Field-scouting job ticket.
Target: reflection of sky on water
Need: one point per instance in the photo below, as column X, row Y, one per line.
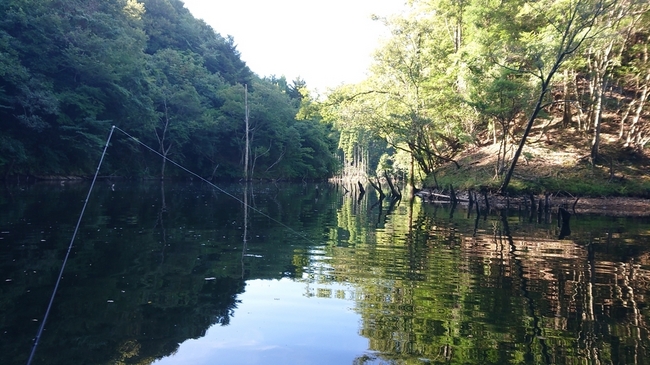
column 280, row 322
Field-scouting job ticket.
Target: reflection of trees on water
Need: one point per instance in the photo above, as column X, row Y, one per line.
column 428, row 287
column 536, row 331
column 134, row 288
column 155, row 265
column 160, row 223
column 424, row 284
column 245, row 234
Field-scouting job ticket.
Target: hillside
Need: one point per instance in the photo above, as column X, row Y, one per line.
column 70, row 70
column 556, row 161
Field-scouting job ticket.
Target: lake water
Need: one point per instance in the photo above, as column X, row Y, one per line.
column 181, row 273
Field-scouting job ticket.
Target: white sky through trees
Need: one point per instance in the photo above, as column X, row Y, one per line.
column 326, row 42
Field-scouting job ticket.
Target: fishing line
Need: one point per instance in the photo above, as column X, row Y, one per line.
column 83, row 209
column 65, row 260
column 216, row 187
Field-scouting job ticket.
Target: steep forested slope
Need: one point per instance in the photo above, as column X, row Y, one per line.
column 69, row 69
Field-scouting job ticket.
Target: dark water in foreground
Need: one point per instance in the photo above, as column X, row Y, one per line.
column 372, row 283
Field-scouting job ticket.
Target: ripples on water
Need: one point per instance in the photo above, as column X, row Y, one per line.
column 373, row 283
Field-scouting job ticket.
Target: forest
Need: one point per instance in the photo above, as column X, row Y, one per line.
column 458, row 77
column 71, row 69
column 453, row 76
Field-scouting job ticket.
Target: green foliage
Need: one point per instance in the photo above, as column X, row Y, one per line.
column 451, row 73
column 502, row 96
column 458, row 74
column 414, row 98
column 70, row 69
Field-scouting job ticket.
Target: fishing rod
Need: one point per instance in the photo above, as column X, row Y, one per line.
column 65, row 260
column 83, row 209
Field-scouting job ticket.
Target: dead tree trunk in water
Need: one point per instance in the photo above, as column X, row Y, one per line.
column 487, row 201
column 393, row 191
column 563, row 221
column 164, row 149
column 378, row 188
column 452, row 194
column 361, row 189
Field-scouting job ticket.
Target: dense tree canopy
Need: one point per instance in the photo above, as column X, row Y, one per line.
column 71, row 69
column 451, row 75
column 459, row 74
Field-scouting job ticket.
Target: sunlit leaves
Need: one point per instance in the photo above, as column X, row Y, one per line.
column 134, row 9
column 413, row 98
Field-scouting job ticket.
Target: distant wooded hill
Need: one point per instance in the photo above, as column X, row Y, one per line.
column 70, row 69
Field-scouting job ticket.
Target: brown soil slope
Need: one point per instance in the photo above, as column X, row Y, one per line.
column 555, row 162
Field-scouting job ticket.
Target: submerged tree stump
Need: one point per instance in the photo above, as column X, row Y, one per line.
column 361, row 189
column 377, row 187
column 563, row 217
column 452, row 194
column 393, row 190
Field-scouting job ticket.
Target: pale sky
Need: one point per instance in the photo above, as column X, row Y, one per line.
column 326, row 42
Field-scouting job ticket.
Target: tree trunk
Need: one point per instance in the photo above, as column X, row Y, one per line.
column 245, row 238
column 600, row 71
column 574, row 32
column 566, row 110
column 633, row 133
column 580, row 109
column 412, row 174
column 393, row 190
column 378, row 188
column 162, row 168
column 164, row 151
column 247, row 147
column 621, row 131
column 522, row 142
column 598, row 111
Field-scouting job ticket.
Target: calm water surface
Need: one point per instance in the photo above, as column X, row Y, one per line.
column 181, row 273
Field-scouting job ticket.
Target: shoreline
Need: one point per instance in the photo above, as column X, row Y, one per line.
column 608, row 206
